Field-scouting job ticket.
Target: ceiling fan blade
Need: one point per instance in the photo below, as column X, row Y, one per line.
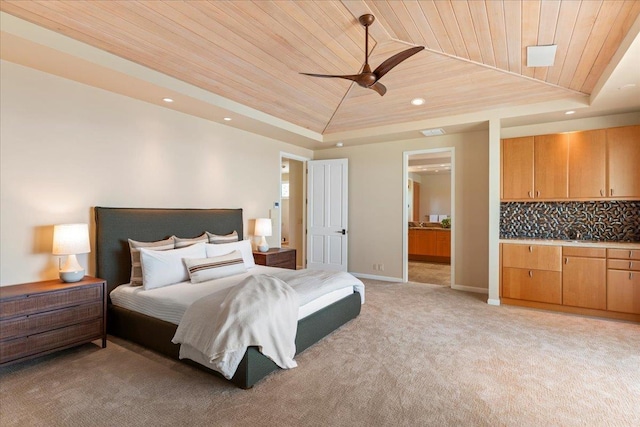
column 387, row 65
column 379, row 87
column 352, row 77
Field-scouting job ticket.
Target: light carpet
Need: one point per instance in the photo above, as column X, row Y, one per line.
column 418, row 355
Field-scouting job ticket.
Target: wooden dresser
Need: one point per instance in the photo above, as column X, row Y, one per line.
column 277, row 257
column 42, row 317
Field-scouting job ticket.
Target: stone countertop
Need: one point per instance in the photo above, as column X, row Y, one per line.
column 430, row 228
column 575, row 243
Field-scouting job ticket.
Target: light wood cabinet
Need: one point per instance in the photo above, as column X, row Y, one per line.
column 532, row 285
column 623, row 281
column 584, row 277
column 550, row 165
column 429, row 245
column 535, row 167
column 623, row 291
column 443, row 243
column 591, row 280
column 588, row 164
column 536, row 257
column 591, row 165
column 532, row 273
column 517, row 168
column 623, row 145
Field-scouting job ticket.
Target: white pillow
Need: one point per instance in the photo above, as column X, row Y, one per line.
column 201, row 269
column 163, row 268
column 244, row 246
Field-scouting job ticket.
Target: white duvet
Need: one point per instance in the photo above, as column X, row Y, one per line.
column 261, row 311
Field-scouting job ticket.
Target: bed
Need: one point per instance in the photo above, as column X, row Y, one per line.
column 113, row 263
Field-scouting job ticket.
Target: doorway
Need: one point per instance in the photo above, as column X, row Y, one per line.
column 429, row 229
column 292, row 209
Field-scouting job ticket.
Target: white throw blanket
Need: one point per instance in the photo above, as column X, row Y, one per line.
column 260, row 311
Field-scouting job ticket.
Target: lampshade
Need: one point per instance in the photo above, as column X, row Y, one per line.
column 263, row 227
column 71, row 239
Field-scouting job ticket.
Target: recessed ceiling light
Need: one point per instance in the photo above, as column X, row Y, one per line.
column 437, row 170
column 443, row 165
column 339, row 144
column 417, row 101
column 169, row 100
column 568, row 113
column 433, row 132
column 227, row 119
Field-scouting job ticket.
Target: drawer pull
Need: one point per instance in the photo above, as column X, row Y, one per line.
column 630, row 265
column 529, row 194
column 630, row 275
column 612, row 192
column 530, row 249
column 566, row 260
column 630, row 254
column 530, row 273
column 537, row 193
column 601, row 193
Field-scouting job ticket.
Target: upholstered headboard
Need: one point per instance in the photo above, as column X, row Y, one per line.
column 115, row 225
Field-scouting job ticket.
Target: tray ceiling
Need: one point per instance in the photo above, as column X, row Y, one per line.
column 251, row 52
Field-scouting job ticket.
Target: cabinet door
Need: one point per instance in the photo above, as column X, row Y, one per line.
column 587, row 164
column 624, row 157
column 443, row 243
column 536, row 257
column 532, row 285
column 517, row 168
column 584, row 282
column 413, row 242
column 551, row 162
column 428, row 242
column 623, row 291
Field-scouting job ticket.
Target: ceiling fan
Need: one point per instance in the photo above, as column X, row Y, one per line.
column 366, row 78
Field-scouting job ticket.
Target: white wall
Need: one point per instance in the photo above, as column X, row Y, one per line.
column 66, row 147
column 435, row 195
column 375, row 204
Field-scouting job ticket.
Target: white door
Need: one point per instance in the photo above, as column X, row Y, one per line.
column 327, row 214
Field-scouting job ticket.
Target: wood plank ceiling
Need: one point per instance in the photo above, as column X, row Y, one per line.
column 252, row 51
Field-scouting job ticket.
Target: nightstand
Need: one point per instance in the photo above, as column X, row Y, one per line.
column 42, row 317
column 277, row 257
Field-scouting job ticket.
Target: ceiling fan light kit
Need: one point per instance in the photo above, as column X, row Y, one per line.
column 368, row 79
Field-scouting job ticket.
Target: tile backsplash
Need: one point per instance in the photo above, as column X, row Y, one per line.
column 596, row 220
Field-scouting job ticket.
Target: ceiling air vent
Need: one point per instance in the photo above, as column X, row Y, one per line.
column 541, row 56
column 432, row 132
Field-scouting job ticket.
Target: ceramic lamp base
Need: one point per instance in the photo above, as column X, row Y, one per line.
column 263, row 246
column 71, row 276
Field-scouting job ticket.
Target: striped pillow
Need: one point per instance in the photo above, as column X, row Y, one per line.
column 202, row 269
column 183, row 243
column 134, row 247
column 227, row 238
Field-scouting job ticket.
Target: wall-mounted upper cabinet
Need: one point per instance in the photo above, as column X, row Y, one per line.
column 624, row 162
column 535, row 168
column 589, row 165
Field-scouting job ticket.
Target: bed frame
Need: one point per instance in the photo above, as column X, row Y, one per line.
column 113, row 263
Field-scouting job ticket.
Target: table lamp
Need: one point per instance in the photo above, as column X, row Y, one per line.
column 263, row 228
column 71, row 239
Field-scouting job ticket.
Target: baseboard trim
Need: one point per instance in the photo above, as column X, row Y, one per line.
column 375, row 277
column 470, row 289
column 492, row 301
